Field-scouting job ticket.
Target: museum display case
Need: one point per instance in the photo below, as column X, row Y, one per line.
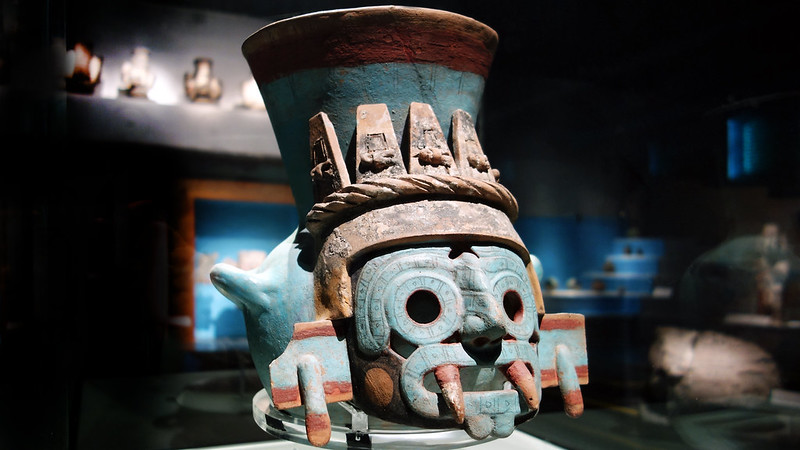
column 651, row 150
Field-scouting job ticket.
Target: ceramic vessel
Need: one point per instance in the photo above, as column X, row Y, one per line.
column 201, row 85
column 405, row 290
column 136, row 79
column 82, row 69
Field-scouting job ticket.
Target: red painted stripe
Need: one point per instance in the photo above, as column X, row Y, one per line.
column 286, row 397
column 573, row 397
column 562, row 322
column 307, row 330
column 317, row 421
column 378, row 35
column 550, row 377
column 318, row 429
column 573, row 403
column 336, row 391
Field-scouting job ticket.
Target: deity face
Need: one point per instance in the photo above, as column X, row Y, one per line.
column 446, row 334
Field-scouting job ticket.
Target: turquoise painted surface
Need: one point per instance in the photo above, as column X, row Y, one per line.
column 469, row 290
column 279, row 294
column 294, row 99
column 272, row 298
column 574, row 340
column 328, row 353
column 426, row 358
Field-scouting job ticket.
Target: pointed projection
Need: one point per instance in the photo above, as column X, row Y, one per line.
column 329, row 173
column 427, row 147
column 468, row 152
column 377, row 152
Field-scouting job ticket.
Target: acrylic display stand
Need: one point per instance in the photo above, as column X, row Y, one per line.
column 351, row 428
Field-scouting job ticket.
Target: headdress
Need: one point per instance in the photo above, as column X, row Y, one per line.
column 375, row 126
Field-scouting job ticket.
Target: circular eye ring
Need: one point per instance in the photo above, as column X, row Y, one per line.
column 514, row 291
column 423, row 287
column 513, row 306
column 423, row 307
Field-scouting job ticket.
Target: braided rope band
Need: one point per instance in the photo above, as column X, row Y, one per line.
column 355, row 199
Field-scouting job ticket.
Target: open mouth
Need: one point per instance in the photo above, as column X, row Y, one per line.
column 442, row 379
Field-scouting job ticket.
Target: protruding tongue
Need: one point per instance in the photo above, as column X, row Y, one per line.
column 481, row 426
column 449, row 381
column 518, row 374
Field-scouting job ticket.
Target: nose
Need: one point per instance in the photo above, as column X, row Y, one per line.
column 483, row 315
column 484, row 325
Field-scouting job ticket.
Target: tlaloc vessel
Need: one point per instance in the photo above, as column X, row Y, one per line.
column 405, row 296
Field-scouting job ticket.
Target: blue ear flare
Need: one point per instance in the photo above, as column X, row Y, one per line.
column 562, row 355
column 313, row 371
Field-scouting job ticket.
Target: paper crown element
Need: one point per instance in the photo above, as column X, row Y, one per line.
column 384, row 174
column 385, row 195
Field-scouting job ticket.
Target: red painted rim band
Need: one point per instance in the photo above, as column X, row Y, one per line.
column 361, row 36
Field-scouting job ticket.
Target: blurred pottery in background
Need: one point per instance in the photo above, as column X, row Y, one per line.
column 136, row 77
column 201, row 85
column 82, row 69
